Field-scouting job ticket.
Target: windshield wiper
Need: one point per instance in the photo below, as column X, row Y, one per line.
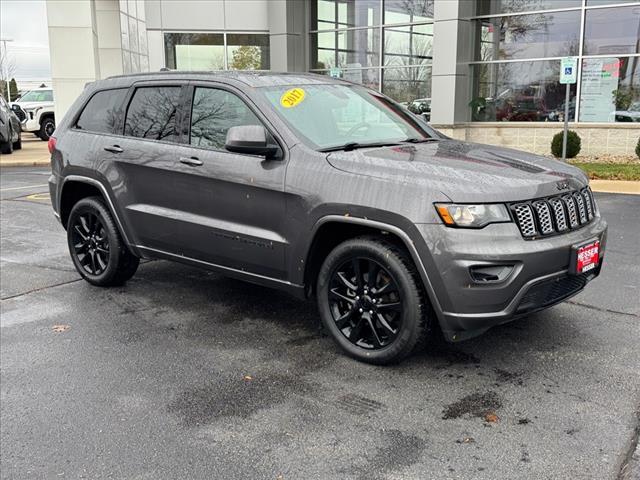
column 347, row 147
column 420, row 140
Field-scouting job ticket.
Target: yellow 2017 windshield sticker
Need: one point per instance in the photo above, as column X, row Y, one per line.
column 292, row 98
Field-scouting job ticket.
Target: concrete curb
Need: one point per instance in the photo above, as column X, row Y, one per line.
column 24, row 163
column 616, row 186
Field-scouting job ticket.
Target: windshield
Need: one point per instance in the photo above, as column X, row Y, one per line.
column 37, row 96
column 328, row 116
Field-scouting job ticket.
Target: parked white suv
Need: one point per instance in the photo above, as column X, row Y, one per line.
column 35, row 109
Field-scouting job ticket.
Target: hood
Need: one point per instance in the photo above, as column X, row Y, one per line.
column 32, row 105
column 465, row 172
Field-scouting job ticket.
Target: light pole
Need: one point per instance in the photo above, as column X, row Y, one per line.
column 4, row 58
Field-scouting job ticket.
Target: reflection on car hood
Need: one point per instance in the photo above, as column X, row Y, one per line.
column 465, row 172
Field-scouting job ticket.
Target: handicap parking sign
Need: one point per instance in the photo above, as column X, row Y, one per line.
column 568, row 70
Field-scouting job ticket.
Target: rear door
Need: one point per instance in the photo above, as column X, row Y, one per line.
column 141, row 165
column 229, row 208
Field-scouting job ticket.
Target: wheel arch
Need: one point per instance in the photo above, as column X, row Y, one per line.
column 75, row 188
column 45, row 115
column 332, row 230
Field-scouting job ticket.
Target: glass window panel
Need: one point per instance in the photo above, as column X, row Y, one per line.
column 405, row 85
column 612, row 30
column 144, row 63
column 610, row 89
column 333, row 14
column 135, row 62
column 141, row 10
column 520, row 92
column 347, row 48
column 529, row 36
column 194, row 51
column 592, row 3
column 132, row 8
column 489, row 7
column 248, row 52
column 369, row 77
column 126, row 61
column 152, row 113
column 410, row 45
column 124, row 31
column 123, row 6
column 213, row 113
column 133, row 34
column 408, row 11
column 142, row 39
column 104, row 111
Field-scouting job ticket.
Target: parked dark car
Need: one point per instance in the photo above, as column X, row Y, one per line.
column 9, row 129
column 321, row 188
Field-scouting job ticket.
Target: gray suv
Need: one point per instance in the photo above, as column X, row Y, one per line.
column 322, row 188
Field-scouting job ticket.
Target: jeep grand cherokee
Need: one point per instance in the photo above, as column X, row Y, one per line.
column 320, row 187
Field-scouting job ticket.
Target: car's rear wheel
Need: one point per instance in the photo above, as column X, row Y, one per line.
column 371, row 300
column 95, row 245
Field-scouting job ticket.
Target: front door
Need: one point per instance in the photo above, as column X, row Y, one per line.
column 228, row 208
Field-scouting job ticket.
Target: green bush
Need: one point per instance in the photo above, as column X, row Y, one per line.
column 573, row 144
column 638, row 148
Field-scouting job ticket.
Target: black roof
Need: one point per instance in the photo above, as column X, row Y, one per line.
column 252, row 78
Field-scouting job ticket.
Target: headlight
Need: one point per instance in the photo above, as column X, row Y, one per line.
column 472, row 216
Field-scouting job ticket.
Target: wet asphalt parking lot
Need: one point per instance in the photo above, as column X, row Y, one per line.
column 183, row 373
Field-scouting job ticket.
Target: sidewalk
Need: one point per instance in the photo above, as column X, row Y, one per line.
column 34, row 152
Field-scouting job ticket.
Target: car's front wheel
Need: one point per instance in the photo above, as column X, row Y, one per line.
column 96, row 247
column 371, row 300
column 47, row 128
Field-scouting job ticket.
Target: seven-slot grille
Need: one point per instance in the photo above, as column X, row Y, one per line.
column 552, row 215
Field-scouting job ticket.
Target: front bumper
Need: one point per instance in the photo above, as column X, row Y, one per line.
column 29, row 124
column 537, row 275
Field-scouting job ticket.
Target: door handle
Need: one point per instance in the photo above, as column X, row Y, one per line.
column 114, row 149
column 191, row 161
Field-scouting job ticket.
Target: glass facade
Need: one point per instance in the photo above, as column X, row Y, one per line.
column 519, row 45
column 383, row 44
column 217, row 51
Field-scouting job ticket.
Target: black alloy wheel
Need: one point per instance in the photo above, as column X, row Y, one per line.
column 96, row 246
column 90, row 243
column 372, row 301
column 365, row 303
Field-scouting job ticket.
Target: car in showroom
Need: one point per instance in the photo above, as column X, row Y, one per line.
column 321, row 188
column 36, row 111
column 9, row 129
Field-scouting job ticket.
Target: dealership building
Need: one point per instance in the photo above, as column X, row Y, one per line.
column 485, row 71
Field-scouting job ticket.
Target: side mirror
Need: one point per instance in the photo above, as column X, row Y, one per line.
column 250, row 140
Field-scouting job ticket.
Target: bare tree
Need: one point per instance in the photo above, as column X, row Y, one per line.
column 7, row 71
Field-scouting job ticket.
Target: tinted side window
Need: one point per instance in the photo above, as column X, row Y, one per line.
column 103, row 113
column 213, row 113
column 152, row 113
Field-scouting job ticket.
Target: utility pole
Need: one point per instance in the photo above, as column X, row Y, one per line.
column 4, row 57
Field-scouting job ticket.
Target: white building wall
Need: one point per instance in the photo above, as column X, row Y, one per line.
column 73, row 47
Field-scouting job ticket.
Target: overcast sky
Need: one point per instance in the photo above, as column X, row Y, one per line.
column 25, row 22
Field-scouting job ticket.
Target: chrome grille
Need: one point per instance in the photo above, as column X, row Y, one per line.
column 544, row 217
column 571, row 210
column 552, row 215
column 524, row 214
column 558, row 212
column 581, row 208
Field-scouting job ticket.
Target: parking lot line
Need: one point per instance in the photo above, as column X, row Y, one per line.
column 22, row 188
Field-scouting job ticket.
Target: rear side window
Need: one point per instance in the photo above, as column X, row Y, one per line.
column 103, row 113
column 152, row 114
column 213, row 113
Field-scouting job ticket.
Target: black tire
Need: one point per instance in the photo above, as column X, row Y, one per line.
column 6, row 148
column 17, row 145
column 47, row 128
column 96, row 246
column 403, row 330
